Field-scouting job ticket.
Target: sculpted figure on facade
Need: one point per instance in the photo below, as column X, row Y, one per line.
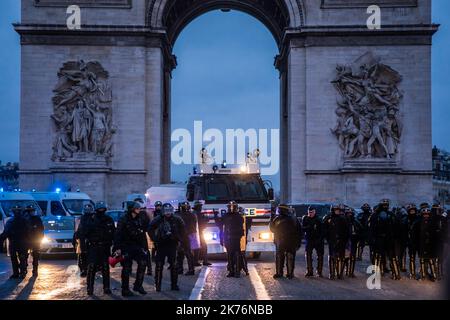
column 368, row 112
column 82, row 112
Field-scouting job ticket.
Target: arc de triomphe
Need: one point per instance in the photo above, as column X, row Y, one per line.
column 355, row 109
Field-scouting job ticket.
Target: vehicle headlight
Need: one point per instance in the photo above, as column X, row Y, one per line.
column 265, row 235
column 46, row 240
column 209, row 236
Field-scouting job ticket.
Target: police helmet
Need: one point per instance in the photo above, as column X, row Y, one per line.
column 185, row 206
column 424, row 205
column 385, row 202
column 101, row 206
column 284, row 209
column 335, row 207
column 198, row 204
column 232, row 206
column 167, row 209
column 365, row 206
column 425, row 211
column 88, row 209
column 16, row 210
column 158, row 204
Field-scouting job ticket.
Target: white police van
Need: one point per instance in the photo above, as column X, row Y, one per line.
column 61, row 203
column 8, row 200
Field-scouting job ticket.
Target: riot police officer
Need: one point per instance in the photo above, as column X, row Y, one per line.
column 145, row 218
column 17, row 231
column 363, row 218
column 158, row 209
column 312, row 228
column 36, row 235
column 287, row 237
column 413, row 239
column 88, row 212
column 428, row 238
column 191, row 233
column 442, row 237
column 233, row 230
column 203, row 220
column 131, row 243
column 354, row 239
column 381, row 229
column 246, row 228
column 166, row 231
column 337, row 235
column 401, row 237
column 98, row 234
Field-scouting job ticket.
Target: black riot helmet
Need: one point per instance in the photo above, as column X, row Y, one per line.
column 334, row 208
column 365, row 207
column 198, row 205
column 101, row 207
column 31, row 210
column 16, row 210
column 185, row 206
column 411, row 209
column 284, row 210
column 88, row 209
column 232, row 207
column 385, row 204
column 167, row 210
column 158, row 205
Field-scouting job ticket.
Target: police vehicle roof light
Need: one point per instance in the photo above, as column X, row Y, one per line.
column 58, row 190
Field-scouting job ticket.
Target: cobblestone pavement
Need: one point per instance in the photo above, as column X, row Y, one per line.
column 59, row 280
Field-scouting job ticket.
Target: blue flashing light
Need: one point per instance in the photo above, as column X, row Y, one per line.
column 1, row 189
column 58, row 190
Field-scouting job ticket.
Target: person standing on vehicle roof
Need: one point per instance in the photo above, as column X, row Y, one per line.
column 312, row 228
column 98, row 234
column 166, row 232
column 190, row 239
column 233, row 230
column 17, row 231
column 79, row 243
column 203, row 220
column 287, row 232
column 131, row 243
column 36, row 236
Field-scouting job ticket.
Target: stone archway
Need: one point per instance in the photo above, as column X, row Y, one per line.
column 123, row 53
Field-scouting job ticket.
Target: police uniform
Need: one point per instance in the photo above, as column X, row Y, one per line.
column 166, row 232
column 363, row 218
column 79, row 243
column 427, row 246
column 191, row 232
column 312, row 228
column 413, row 238
column 36, row 236
column 233, row 230
column 287, row 238
column 98, row 234
column 337, row 235
column 131, row 240
column 203, row 220
column 355, row 228
column 17, row 230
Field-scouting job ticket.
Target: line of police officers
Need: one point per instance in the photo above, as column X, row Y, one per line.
column 392, row 236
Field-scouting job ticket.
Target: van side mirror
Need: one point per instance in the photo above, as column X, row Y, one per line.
column 271, row 194
column 190, row 192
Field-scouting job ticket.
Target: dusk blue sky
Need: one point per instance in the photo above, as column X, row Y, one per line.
column 225, row 67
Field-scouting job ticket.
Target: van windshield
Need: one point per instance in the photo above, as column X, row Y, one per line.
column 8, row 204
column 59, row 224
column 75, row 206
column 243, row 188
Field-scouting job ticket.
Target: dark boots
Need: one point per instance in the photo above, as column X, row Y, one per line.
column 423, row 269
column 351, row 267
column 395, row 269
column 90, row 279
column 174, row 279
column 149, row 264
column 340, row 268
column 279, row 265
column 412, row 267
column 237, row 265
column 126, row 292
column 106, row 278
column 244, row 263
column 309, row 265
column 290, row 265
column 319, row 266
column 190, row 261
column 332, row 267
column 230, row 265
column 158, row 276
column 140, row 274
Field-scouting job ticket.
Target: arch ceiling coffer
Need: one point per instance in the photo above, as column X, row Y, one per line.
column 174, row 15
